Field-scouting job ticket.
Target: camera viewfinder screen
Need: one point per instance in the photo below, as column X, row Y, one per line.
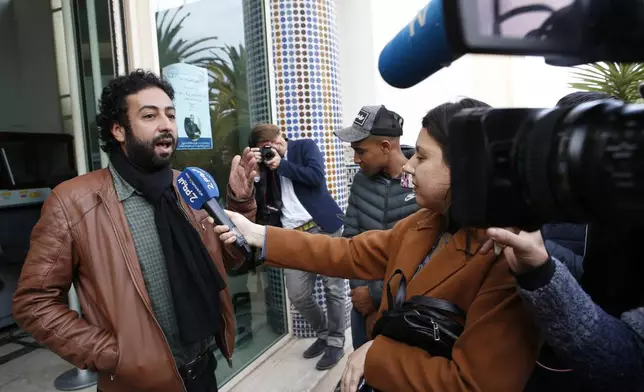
column 515, row 18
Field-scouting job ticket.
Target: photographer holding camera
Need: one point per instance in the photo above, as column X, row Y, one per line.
column 605, row 353
column 291, row 192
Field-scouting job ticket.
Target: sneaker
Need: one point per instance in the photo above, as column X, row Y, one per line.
column 331, row 357
column 316, row 349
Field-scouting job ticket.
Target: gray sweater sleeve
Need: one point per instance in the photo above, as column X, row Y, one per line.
column 608, row 353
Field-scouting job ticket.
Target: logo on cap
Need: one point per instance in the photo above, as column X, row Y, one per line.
column 361, row 118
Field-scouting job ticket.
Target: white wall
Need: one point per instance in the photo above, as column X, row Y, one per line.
column 368, row 25
column 358, row 70
column 29, row 98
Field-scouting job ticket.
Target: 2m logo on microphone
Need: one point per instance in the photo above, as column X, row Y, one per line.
column 189, row 189
column 204, row 177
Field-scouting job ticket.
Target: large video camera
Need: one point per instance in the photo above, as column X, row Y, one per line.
column 527, row 167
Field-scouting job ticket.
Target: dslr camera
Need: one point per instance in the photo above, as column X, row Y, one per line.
column 267, row 153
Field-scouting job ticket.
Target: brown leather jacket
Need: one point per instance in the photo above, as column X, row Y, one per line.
column 83, row 237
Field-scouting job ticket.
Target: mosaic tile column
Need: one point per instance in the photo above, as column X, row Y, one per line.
column 257, row 71
column 305, row 49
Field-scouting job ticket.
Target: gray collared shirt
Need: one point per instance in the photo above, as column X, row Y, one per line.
column 140, row 217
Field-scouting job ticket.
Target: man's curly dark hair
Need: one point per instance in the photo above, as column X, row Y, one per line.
column 112, row 107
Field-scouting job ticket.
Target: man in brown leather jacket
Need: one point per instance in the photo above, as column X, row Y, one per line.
column 149, row 270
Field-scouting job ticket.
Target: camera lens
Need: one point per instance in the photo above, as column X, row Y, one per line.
column 583, row 164
column 602, row 153
column 527, row 167
column 267, row 153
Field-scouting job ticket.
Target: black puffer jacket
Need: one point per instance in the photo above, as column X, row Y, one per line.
column 376, row 203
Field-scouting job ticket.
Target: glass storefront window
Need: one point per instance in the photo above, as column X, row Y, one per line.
column 97, row 65
column 202, row 52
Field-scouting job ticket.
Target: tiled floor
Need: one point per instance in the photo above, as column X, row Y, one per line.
column 33, row 372
column 287, row 371
column 284, row 371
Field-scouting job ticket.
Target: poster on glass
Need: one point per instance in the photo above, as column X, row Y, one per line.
column 191, row 99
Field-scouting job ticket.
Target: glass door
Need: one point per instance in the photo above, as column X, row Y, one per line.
column 208, row 51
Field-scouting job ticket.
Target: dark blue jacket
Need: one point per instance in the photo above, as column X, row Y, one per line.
column 305, row 168
column 567, row 243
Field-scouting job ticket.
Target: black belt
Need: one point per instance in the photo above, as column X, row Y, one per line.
column 205, row 362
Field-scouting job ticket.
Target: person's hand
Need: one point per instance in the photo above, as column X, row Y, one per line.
column 253, row 233
column 275, row 162
column 370, row 324
column 524, row 251
column 243, row 170
column 256, row 153
column 536, row 237
column 354, row 369
column 362, row 301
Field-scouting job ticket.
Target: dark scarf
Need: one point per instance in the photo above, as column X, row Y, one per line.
column 194, row 279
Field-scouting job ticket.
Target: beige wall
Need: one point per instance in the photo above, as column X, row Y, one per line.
column 140, row 33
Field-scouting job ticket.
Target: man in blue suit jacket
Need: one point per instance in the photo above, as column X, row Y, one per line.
column 292, row 186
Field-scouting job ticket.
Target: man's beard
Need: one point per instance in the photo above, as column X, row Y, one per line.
column 143, row 154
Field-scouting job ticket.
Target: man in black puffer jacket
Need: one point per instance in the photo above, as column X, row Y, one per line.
column 376, row 200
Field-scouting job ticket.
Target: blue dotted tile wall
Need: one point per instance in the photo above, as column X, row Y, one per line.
column 257, row 71
column 305, row 50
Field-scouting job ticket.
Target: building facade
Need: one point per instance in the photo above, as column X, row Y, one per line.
column 233, row 64
column 305, row 65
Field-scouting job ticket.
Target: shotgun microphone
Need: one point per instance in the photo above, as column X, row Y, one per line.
column 199, row 190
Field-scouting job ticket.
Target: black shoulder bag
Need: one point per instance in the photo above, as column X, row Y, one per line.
column 431, row 324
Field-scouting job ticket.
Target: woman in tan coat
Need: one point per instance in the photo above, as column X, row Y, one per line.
column 498, row 348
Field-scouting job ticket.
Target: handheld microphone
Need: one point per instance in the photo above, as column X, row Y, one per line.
column 199, row 190
column 420, row 49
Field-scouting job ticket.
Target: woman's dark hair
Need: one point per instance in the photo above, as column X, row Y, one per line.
column 437, row 119
column 112, row 107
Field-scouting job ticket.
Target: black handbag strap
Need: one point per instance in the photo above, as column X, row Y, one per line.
column 402, row 289
column 437, row 303
column 400, row 294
